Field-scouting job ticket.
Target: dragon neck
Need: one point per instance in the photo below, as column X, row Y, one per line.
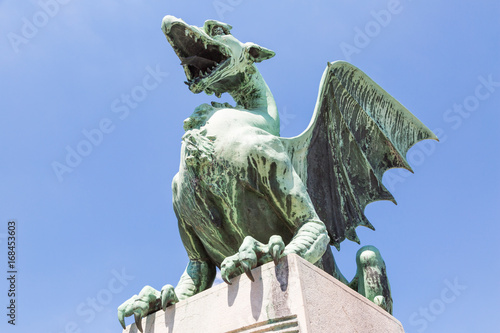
column 255, row 95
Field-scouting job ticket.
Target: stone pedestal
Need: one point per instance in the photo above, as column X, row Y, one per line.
column 294, row 296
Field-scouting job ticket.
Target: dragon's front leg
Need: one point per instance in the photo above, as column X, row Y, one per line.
column 281, row 185
column 198, row 276
column 309, row 242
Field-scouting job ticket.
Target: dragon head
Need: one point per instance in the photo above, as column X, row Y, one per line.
column 214, row 60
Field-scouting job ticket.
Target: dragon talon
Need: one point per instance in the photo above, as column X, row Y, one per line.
column 380, row 301
column 225, row 279
column 168, row 296
column 164, row 302
column 224, row 275
column 121, row 319
column 138, row 321
column 163, row 299
column 250, row 276
column 248, row 271
column 276, row 254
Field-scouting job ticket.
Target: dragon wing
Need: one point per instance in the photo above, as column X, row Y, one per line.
column 358, row 131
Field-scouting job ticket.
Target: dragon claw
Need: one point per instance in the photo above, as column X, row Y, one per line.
column 139, row 306
column 138, row 321
column 121, row 318
column 275, row 253
column 225, row 279
column 276, row 248
column 168, row 296
column 248, row 270
column 251, row 254
column 380, row 301
column 226, row 269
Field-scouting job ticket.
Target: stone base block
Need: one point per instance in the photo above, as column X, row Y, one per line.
column 294, row 296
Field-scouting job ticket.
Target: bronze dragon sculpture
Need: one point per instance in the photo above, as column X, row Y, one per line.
column 244, row 196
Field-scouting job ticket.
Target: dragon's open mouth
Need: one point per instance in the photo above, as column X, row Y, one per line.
column 200, row 55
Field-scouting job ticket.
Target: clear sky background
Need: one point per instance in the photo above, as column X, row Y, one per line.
column 94, row 234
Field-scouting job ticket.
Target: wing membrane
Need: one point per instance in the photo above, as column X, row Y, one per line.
column 358, row 132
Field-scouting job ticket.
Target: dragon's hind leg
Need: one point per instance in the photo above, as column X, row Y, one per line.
column 371, row 277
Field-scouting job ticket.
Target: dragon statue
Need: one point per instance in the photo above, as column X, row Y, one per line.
column 244, row 196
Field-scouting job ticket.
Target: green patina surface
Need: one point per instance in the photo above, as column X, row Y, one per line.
column 245, row 196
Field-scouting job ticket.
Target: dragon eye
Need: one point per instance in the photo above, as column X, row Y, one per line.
column 218, row 31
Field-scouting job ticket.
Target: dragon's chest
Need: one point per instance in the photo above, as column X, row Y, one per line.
column 217, row 186
column 214, row 173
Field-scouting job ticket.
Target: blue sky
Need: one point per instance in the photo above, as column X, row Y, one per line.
column 95, row 234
